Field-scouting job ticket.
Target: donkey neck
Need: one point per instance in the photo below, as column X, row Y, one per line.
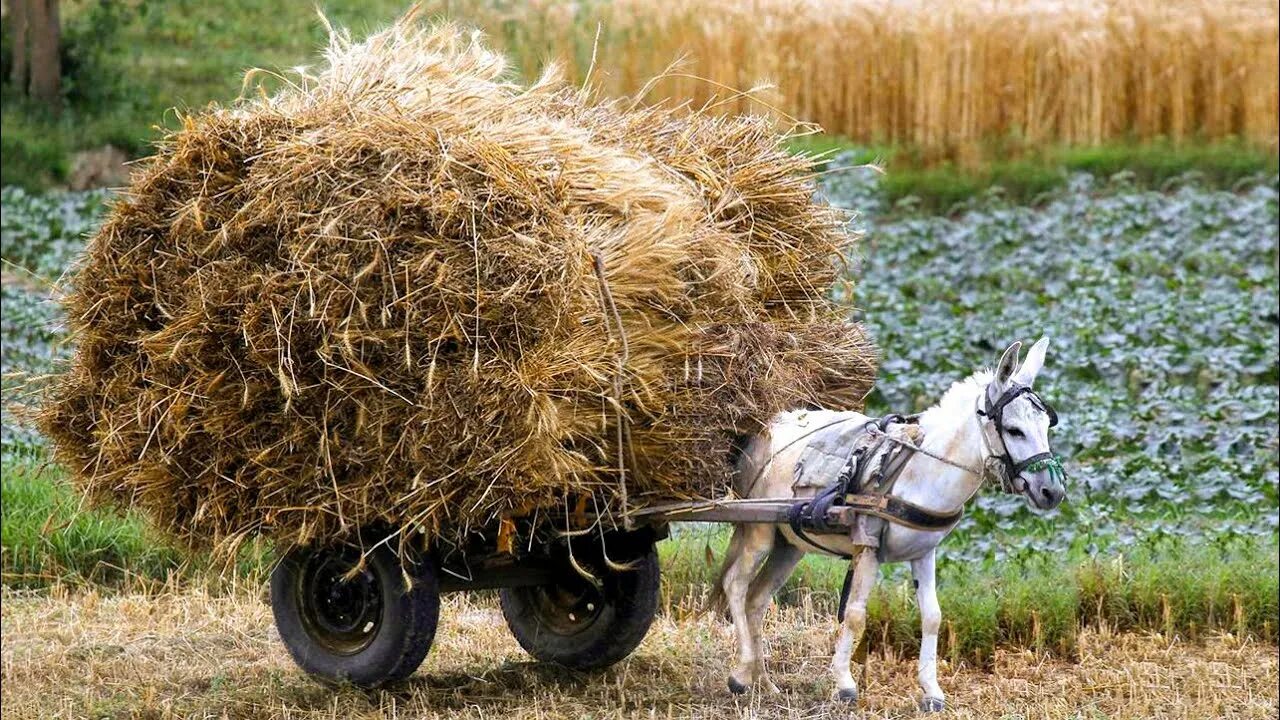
column 950, row 430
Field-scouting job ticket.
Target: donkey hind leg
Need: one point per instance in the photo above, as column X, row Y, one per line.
column 773, row 574
column 865, row 568
column 753, row 542
column 930, row 621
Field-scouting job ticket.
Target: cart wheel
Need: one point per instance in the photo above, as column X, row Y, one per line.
column 575, row 624
column 368, row 629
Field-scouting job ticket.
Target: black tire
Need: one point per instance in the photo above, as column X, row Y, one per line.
column 368, row 630
column 574, row 624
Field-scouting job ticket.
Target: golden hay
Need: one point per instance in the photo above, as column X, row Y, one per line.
column 942, row 78
column 407, row 291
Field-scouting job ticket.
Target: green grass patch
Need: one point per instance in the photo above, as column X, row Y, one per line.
column 32, row 156
column 1026, row 175
column 1221, row 164
column 1175, row 587
column 127, row 65
column 49, row 537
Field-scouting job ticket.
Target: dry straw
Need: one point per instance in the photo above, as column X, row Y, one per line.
column 944, row 77
column 374, row 297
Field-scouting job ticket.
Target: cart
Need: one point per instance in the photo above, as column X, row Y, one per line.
column 581, row 601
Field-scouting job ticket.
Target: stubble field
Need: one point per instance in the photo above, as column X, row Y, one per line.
column 190, row 654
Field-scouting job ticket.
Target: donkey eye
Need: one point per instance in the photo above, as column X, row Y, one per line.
column 1015, row 432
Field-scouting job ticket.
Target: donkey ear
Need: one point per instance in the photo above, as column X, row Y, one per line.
column 1008, row 364
column 1035, row 362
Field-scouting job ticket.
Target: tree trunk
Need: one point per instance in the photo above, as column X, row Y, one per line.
column 46, row 72
column 18, row 23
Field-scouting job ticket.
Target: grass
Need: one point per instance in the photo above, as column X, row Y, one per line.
column 129, row 64
column 31, row 156
column 49, row 538
column 1028, row 176
column 192, row 654
column 1178, row 587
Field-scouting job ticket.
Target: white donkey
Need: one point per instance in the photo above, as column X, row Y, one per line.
column 988, row 424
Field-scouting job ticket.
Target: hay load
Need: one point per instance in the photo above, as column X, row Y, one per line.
column 408, row 291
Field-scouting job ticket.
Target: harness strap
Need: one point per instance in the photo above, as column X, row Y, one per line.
column 870, row 495
column 802, row 514
column 901, row 512
column 844, row 593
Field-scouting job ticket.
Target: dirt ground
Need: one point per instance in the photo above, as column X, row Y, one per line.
column 193, row 655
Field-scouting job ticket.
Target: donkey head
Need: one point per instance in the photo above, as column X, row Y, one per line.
column 1016, row 422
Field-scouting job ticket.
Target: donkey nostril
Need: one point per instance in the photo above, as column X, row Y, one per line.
column 1047, row 493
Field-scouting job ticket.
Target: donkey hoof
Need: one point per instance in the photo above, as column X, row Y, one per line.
column 736, row 687
column 932, row 705
column 849, row 695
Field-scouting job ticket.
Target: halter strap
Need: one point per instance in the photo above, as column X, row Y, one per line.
column 995, row 412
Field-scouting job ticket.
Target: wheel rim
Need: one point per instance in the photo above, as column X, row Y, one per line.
column 343, row 614
column 568, row 607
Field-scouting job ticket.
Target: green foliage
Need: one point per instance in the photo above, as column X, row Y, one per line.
column 31, row 155
column 126, row 64
column 1163, row 361
column 41, row 234
column 47, row 537
column 1221, row 163
column 938, row 189
column 93, row 54
column 1029, row 176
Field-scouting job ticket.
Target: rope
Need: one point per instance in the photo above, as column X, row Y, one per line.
column 779, row 451
column 606, row 297
column 982, row 473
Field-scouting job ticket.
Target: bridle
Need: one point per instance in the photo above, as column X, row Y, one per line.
column 1013, row 469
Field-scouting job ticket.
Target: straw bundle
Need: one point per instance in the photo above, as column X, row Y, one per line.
column 408, row 291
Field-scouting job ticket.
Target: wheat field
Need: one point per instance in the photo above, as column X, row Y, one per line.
column 944, row 78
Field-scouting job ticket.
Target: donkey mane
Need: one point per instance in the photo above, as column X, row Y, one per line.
column 955, row 405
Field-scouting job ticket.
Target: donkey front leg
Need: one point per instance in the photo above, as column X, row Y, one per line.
column 930, row 621
column 865, row 567
column 752, row 542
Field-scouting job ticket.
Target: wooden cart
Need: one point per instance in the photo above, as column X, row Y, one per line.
column 582, row 601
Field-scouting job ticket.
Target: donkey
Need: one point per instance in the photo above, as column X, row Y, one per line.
column 989, row 424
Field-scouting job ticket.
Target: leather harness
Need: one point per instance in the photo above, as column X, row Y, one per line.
column 995, row 411
column 868, row 472
column 864, row 481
